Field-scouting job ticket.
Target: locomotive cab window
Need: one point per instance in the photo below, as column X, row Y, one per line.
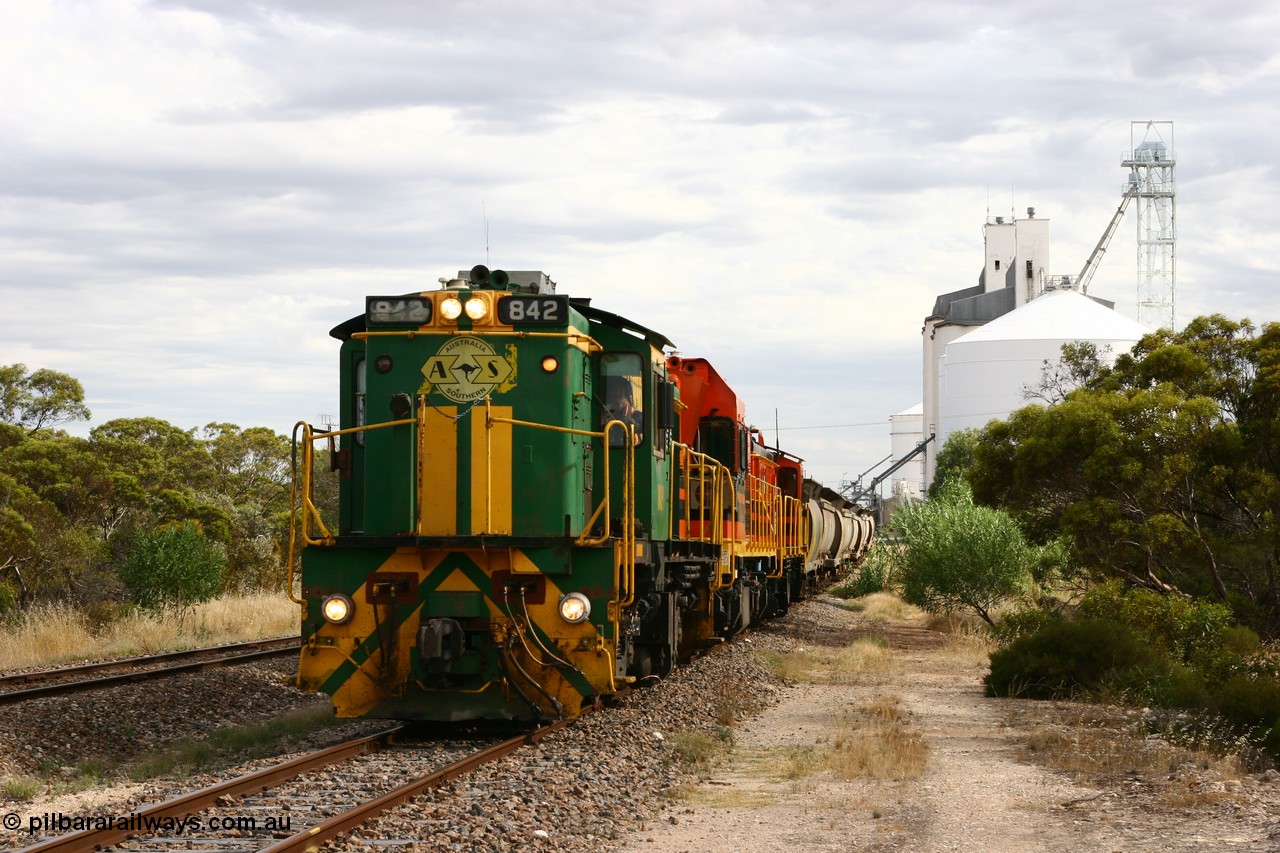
column 623, row 394
column 718, row 438
column 360, row 401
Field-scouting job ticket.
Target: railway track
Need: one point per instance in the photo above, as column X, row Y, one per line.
column 585, row 784
column 92, row 676
column 296, row 805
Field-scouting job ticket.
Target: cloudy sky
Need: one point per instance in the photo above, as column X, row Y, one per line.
column 193, row 192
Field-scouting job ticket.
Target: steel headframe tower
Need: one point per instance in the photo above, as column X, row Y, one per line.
column 1151, row 174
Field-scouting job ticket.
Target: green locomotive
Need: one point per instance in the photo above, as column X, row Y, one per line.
column 537, row 506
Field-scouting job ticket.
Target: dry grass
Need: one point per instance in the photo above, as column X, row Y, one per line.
column 56, row 635
column 881, row 607
column 874, row 741
column 824, row 665
column 1108, row 746
column 22, row 788
column 721, row 796
column 879, row 743
column 701, row 751
column 969, row 641
column 732, row 705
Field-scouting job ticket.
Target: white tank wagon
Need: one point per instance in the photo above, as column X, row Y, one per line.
column 840, row 531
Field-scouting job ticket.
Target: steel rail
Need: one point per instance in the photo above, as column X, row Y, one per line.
column 88, row 840
column 311, row 838
column 140, row 660
column 10, row 696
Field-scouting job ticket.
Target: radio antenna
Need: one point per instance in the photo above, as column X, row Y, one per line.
column 485, row 214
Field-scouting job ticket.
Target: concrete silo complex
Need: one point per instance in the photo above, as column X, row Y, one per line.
column 984, row 345
column 984, row 374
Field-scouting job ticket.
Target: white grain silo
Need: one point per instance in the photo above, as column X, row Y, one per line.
column 983, row 374
column 906, row 430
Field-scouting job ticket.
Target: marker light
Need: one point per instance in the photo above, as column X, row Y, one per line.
column 337, row 609
column 477, row 308
column 574, row 608
column 451, row 308
column 550, row 364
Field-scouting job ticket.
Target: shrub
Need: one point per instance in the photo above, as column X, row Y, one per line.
column 1249, row 701
column 101, row 615
column 959, row 555
column 1022, row 623
column 1190, row 630
column 8, row 599
column 870, row 577
column 1141, row 646
column 1241, row 641
column 1270, row 741
column 174, row 565
column 1064, row 658
column 1165, row 685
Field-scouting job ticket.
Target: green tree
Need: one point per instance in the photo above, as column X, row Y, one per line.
column 954, row 460
column 42, row 554
column 248, row 465
column 1161, row 470
column 159, row 455
column 175, row 565
column 957, row 555
column 40, row 399
column 71, row 509
column 173, row 470
column 21, row 549
column 69, row 473
column 250, row 479
column 1080, row 363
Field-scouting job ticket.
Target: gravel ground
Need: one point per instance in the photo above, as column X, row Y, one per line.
column 983, row 786
column 578, row 790
column 120, row 723
column 612, row 782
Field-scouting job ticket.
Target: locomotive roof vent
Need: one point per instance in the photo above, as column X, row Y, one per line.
column 517, row 281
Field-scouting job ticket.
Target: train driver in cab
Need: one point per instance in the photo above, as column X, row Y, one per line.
column 620, row 406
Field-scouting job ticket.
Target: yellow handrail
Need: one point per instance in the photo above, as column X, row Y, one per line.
column 625, row 569
column 711, row 477
column 304, row 512
column 573, row 339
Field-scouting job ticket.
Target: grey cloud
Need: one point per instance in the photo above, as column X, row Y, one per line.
column 750, row 118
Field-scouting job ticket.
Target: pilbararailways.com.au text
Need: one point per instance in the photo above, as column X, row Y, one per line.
column 51, row 823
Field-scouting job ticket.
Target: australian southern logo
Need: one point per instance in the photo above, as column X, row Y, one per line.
column 467, row 369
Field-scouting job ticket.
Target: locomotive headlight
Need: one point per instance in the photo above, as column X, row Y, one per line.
column 337, row 609
column 451, row 308
column 476, row 308
column 574, row 608
column 550, row 364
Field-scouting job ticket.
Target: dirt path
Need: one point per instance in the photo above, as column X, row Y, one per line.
column 977, row 790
